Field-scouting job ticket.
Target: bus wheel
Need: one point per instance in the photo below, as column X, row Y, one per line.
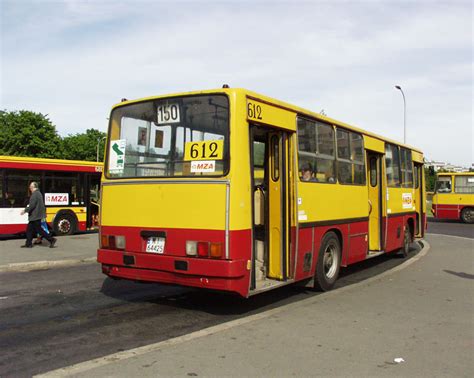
column 467, row 215
column 406, row 241
column 64, row 224
column 329, row 263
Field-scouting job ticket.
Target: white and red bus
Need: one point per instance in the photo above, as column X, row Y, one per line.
column 70, row 190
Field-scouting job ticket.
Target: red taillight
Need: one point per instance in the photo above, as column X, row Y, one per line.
column 203, row 249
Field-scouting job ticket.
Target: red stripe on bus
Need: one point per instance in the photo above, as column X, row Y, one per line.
column 12, row 228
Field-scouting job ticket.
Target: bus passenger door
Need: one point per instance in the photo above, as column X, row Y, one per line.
column 375, row 201
column 278, row 205
column 271, row 205
column 419, row 202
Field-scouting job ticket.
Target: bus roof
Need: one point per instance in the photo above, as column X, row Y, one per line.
column 49, row 164
column 278, row 103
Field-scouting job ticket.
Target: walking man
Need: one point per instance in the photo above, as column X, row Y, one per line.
column 36, row 212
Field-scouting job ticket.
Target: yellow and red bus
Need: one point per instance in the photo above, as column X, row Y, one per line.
column 231, row 190
column 454, row 196
column 70, row 191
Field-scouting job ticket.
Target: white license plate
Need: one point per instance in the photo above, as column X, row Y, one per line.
column 155, row 245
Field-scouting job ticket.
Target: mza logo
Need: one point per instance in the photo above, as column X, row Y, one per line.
column 203, row 166
column 52, row 199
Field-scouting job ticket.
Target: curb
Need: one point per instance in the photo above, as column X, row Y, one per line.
column 115, row 357
column 41, row 265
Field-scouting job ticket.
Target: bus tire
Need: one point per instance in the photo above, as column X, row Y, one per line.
column 64, row 224
column 467, row 215
column 329, row 262
column 405, row 250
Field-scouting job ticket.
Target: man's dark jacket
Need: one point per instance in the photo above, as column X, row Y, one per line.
column 35, row 208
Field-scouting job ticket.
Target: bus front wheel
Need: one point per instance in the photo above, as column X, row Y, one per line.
column 467, row 215
column 329, row 262
column 64, row 224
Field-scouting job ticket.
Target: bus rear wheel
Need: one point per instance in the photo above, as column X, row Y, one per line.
column 329, row 262
column 467, row 215
column 64, row 224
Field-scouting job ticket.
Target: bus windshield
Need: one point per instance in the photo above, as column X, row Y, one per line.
column 181, row 136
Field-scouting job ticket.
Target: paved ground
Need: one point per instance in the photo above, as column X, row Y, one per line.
column 69, row 250
column 450, row 227
column 417, row 313
column 421, row 315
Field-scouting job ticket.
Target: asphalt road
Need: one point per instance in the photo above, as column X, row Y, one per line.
column 58, row 317
column 450, row 227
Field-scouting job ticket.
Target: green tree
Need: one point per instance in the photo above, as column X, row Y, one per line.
column 84, row 146
column 430, row 178
column 26, row 133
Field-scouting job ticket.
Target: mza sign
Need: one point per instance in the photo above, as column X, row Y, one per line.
column 52, row 199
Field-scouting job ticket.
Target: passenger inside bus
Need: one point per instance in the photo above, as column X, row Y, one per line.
column 307, row 173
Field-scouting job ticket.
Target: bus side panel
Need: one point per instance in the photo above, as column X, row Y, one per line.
column 358, row 242
column 446, row 211
column 395, row 231
column 305, row 258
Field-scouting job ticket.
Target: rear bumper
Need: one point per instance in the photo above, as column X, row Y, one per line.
column 225, row 275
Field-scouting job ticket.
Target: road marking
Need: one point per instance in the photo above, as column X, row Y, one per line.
column 101, row 361
column 39, row 265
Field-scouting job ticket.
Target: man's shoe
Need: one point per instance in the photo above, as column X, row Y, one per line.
column 53, row 242
column 26, row 246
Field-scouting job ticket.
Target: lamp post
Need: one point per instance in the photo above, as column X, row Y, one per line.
column 98, row 144
column 404, row 114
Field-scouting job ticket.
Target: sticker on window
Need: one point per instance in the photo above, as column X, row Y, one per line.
column 209, row 149
column 203, row 166
column 117, row 155
column 168, row 113
column 56, row 199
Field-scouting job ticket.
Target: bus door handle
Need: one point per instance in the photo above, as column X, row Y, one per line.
column 260, row 189
column 370, row 207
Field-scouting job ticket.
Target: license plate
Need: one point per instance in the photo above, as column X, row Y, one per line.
column 155, row 245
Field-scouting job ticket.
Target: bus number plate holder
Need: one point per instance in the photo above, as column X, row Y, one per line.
column 155, row 245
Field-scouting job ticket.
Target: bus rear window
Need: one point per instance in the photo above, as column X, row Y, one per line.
column 175, row 137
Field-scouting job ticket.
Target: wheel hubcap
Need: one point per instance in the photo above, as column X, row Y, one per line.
column 330, row 261
column 64, row 226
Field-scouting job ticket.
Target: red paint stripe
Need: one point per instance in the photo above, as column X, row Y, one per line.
column 8, row 229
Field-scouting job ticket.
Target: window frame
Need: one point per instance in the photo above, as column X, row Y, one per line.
column 353, row 162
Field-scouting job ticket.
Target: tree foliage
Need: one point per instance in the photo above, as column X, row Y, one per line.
column 25, row 133
column 84, row 146
column 430, row 179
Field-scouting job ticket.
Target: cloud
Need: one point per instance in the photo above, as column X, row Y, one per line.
column 73, row 60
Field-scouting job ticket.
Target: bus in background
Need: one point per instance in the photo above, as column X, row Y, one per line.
column 70, row 191
column 454, row 196
column 234, row 191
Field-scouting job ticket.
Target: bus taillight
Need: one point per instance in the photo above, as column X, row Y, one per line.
column 203, row 249
column 112, row 242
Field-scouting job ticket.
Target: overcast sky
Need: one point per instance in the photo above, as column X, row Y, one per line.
column 74, row 59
